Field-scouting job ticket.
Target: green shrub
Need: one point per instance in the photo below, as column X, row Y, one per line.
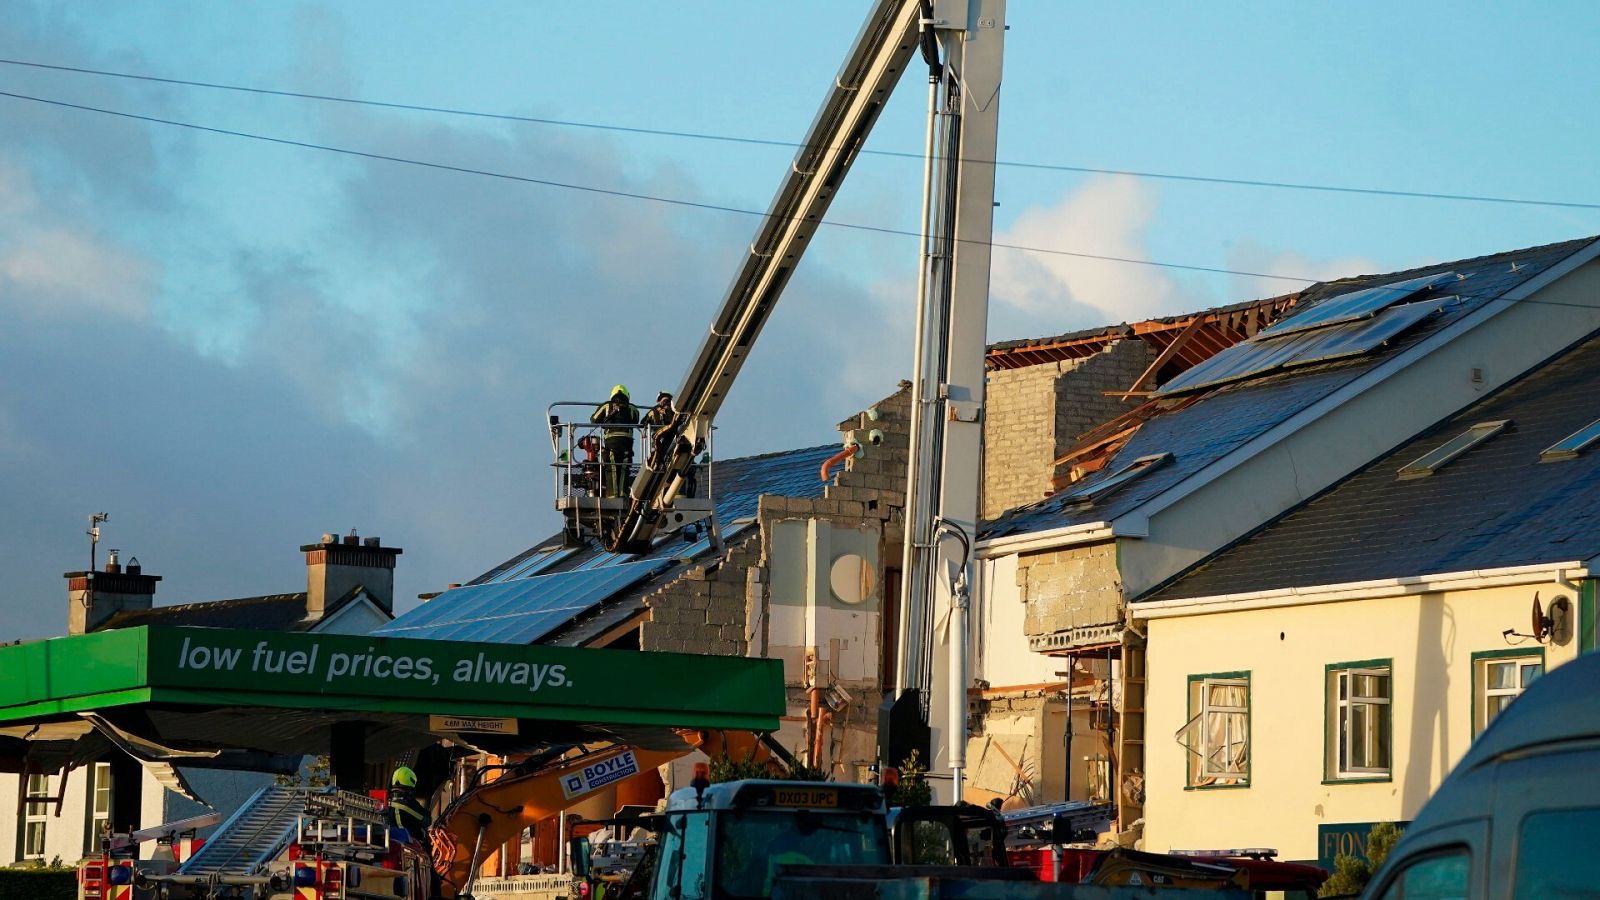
column 1351, row 873
column 38, row 884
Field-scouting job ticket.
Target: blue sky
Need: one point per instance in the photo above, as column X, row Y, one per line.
column 234, row 347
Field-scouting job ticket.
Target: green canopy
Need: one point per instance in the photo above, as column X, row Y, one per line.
column 180, row 693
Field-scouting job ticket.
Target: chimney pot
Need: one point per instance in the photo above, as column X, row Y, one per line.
column 134, row 568
column 371, row 542
column 350, row 539
column 328, row 538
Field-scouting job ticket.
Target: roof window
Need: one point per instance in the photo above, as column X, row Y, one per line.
column 1136, row 469
column 1573, row 445
column 1447, row 452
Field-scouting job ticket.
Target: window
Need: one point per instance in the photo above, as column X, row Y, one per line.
column 1435, row 460
column 1141, row 466
column 1555, row 854
column 1217, row 735
column 1573, row 445
column 1499, row 677
column 35, row 815
column 1442, row 876
column 97, row 811
column 1359, row 723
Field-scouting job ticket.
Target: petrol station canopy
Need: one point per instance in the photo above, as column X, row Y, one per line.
column 223, row 698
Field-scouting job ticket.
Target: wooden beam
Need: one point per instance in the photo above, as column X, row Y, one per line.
column 1166, row 355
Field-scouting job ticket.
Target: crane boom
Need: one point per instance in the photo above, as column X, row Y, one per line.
column 963, row 41
column 877, row 58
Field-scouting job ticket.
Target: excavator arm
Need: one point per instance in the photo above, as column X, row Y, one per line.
column 493, row 812
column 877, row 58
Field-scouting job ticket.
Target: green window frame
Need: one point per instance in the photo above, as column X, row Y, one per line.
column 1358, row 721
column 1216, row 735
column 1483, row 691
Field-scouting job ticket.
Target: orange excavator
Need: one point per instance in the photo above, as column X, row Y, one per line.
column 491, row 812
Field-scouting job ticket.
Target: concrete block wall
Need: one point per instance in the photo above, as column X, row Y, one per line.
column 1069, row 588
column 1032, row 415
column 716, row 608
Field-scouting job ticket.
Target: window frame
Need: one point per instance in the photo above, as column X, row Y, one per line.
column 99, row 784
column 1201, row 682
column 1333, row 768
column 1573, row 445
column 1480, row 685
column 1452, row 449
column 35, row 811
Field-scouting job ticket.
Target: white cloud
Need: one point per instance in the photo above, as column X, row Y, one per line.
column 64, row 271
column 1254, row 256
column 1106, row 216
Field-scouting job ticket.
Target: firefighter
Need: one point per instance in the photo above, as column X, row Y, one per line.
column 657, row 419
column 405, row 809
column 619, row 416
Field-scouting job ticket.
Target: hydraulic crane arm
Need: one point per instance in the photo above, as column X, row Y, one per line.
column 492, row 812
column 859, row 92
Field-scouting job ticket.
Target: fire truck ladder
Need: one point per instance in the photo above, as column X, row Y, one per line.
column 253, row 836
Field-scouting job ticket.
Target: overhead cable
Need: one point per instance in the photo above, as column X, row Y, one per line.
column 898, row 154
column 694, row 204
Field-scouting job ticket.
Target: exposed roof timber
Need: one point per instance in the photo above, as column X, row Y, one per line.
column 1220, row 328
column 1172, row 349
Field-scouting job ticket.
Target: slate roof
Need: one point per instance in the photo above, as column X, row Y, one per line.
column 271, row 612
column 1496, row 505
column 1198, row 434
column 737, row 485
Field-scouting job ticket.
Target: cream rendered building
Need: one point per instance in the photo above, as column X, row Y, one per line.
column 1327, row 672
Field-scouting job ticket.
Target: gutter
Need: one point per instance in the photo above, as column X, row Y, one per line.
column 1539, row 573
column 1067, row 536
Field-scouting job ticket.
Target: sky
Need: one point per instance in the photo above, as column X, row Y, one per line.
column 233, row 346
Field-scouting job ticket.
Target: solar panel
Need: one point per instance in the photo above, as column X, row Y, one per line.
column 1356, row 305
column 520, row 611
column 1258, row 357
column 535, row 564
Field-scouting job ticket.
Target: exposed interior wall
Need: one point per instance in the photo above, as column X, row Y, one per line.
column 1033, row 414
column 1429, row 637
column 1000, row 657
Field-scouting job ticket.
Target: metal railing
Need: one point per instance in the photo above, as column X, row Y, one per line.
column 589, row 464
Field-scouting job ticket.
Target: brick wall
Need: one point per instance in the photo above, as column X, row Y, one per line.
column 1032, row 415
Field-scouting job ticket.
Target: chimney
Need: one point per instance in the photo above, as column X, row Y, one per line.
column 333, row 567
column 94, row 597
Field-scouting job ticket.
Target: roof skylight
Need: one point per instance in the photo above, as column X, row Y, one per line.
column 1573, row 445
column 1447, row 452
column 1136, row 469
column 1355, row 305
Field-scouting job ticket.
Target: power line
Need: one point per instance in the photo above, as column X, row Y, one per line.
column 695, row 204
column 631, row 195
column 765, row 142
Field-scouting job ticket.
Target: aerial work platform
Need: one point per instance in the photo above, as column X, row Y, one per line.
column 223, row 698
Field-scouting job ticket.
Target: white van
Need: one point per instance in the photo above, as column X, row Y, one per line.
column 1519, row 817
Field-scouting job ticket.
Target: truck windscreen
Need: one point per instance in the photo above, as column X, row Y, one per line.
column 752, row 844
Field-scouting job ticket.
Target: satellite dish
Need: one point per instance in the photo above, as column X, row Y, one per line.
column 1541, row 625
